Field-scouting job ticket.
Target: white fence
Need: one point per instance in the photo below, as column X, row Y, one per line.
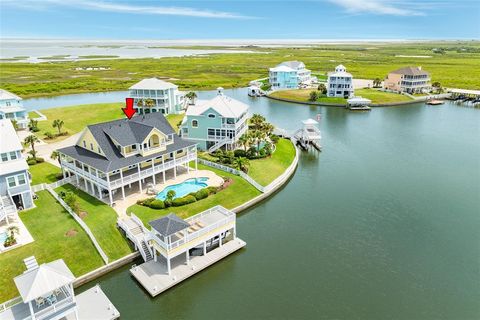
column 233, row 171
column 59, row 183
column 80, row 222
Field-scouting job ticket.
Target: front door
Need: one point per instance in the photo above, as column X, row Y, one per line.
column 18, row 200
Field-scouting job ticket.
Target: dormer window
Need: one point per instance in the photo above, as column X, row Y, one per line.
column 194, row 123
column 211, row 115
column 91, row 146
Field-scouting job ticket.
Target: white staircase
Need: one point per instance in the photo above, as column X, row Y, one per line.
column 7, row 207
column 136, row 232
column 219, row 144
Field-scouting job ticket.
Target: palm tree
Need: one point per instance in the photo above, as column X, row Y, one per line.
column 256, row 120
column 33, row 125
column 191, row 96
column 241, row 163
column 257, row 135
column 57, row 123
column 243, row 140
column 30, row 141
column 313, row 96
column 377, row 82
column 322, row 88
column 33, row 153
column 268, row 128
column 56, row 156
column 140, row 103
column 171, row 194
column 149, row 103
column 15, row 124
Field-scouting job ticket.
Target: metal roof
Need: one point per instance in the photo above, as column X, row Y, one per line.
column 9, row 141
column 43, row 280
column 153, row 84
column 292, row 64
column 225, row 106
column 169, row 225
column 7, row 95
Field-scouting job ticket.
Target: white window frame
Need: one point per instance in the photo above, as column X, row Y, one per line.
column 196, row 123
column 16, row 180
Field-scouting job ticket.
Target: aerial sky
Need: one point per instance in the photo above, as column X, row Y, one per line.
column 245, row 19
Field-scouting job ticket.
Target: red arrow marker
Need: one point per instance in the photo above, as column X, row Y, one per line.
column 129, row 111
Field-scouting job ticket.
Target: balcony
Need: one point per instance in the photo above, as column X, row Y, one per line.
column 210, row 220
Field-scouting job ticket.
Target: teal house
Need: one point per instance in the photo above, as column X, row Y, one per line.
column 216, row 123
column 11, row 107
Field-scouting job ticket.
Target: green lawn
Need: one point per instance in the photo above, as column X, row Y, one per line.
column 302, row 95
column 76, row 118
column 175, row 119
column 44, row 173
column 48, row 223
column 236, row 194
column 101, row 219
column 380, row 97
column 376, row 96
column 364, row 61
column 266, row 170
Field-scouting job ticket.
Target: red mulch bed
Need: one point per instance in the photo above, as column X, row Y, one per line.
column 71, row 233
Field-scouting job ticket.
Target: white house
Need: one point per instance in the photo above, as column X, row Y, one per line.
column 155, row 95
column 11, row 107
column 340, row 83
column 289, row 75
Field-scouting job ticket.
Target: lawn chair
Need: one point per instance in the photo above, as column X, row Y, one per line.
column 40, row 302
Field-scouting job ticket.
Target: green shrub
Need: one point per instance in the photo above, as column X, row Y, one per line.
column 201, row 194
column 157, row 204
column 39, row 160
column 168, row 203
column 274, row 138
column 31, row 162
column 183, row 201
column 49, row 135
column 240, row 153
column 211, row 190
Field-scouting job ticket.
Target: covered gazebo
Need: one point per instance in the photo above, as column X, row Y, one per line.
column 48, row 290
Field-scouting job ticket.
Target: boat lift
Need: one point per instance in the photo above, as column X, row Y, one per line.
column 308, row 136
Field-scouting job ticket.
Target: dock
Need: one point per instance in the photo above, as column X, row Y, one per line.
column 90, row 304
column 308, row 136
column 154, row 278
column 435, row 102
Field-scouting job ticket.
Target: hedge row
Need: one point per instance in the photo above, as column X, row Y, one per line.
column 157, row 204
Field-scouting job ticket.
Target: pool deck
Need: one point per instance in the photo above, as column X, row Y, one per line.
column 154, row 278
column 133, row 194
column 91, row 304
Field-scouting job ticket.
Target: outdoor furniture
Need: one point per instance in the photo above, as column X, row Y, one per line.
column 51, row 299
column 194, row 227
column 57, row 292
column 200, row 224
column 40, row 302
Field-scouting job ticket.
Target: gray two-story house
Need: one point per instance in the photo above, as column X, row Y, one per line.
column 15, row 192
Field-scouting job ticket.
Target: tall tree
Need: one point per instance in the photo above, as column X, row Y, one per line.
column 243, row 140
column 30, row 141
column 241, row 163
column 57, row 123
column 56, row 156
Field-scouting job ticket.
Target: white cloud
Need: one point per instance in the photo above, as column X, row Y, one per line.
column 125, row 8
column 382, row 7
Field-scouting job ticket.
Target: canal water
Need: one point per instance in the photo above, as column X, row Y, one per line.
column 382, row 224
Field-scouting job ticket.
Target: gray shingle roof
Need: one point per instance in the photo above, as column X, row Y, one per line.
column 169, row 225
column 126, row 131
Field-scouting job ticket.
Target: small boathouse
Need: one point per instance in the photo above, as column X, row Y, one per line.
column 359, row 104
column 308, row 136
column 182, row 248
column 46, row 292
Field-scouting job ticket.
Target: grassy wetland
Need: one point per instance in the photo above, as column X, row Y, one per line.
column 201, row 72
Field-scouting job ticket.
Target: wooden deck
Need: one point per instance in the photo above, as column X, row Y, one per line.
column 154, row 278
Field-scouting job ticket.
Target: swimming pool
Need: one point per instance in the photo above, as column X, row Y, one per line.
column 184, row 188
column 3, row 237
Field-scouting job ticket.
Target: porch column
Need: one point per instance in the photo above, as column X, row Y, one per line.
column 174, row 166
column 109, row 190
column 98, row 186
column 154, row 254
column 76, row 173
column 163, row 172
column 85, row 179
column 121, row 181
column 220, row 240
column 140, row 180
column 188, row 163
column 153, row 169
column 188, row 256
column 168, row 266
column 31, row 310
column 205, row 248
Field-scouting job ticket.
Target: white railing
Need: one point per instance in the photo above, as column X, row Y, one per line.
column 229, row 217
column 48, row 311
column 10, row 303
column 54, row 185
column 81, row 223
column 158, row 168
column 233, row 171
column 87, row 174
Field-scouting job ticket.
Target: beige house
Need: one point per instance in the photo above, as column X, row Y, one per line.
column 408, row 79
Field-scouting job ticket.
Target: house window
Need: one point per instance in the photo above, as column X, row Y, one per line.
column 99, row 151
column 13, row 155
column 21, row 179
column 84, row 144
column 194, row 123
column 211, row 115
column 4, row 157
column 179, row 151
column 91, row 146
column 134, row 147
column 11, row 182
column 8, row 103
column 211, row 132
